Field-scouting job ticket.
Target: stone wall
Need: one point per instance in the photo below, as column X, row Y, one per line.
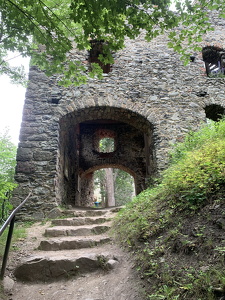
column 149, row 90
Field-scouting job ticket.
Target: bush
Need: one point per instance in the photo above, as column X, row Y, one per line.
column 171, row 229
column 196, row 175
column 7, row 170
column 194, row 140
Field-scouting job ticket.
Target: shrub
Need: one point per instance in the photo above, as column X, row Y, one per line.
column 194, row 140
column 7, row 170
column 197, row 174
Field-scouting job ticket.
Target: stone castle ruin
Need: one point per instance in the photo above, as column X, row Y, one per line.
column 146, row 101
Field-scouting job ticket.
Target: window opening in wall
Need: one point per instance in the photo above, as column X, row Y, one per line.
column 55, row 100
column 192, row 58
column 106, row 145
column 113, row 187
column 214, row 59
column 96, row 51
column 104, row 140
column 214, row 112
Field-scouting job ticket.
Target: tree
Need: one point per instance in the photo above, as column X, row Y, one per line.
column 115, row 186
column 7, row 170
column 59, row 25
column 110, row 188
column 124, row 187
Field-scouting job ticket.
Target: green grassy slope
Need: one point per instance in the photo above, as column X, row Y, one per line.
column 176, row 230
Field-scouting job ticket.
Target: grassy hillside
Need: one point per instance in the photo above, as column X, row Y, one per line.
column 176, row 230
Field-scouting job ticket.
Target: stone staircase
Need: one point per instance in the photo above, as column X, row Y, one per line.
column 72, row 246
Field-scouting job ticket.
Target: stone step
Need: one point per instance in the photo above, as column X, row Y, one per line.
column 91, row 212
column 79, row 221
column 57, row 231
column 48, row 266
column 83, row 213
column 66, row 243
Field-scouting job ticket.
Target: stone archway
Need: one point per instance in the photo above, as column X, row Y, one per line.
column 87, row 184
column 79, row 134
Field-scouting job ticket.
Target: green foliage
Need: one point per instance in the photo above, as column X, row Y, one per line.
column 7, row 169
column 198, row 167
column 198, row 175
column 194, row 140
column 100, row 183
column 195, row 285
column 60, row 25
column 132, row 222
column 19, row 233
column 123, row 185
column 157, row 226
column 106, row 145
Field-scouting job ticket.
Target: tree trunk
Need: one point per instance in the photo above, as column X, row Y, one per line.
column 110, row 187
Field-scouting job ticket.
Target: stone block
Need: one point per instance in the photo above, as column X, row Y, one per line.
column 8, row 284
column 25, row 167
column 24, row 154
column 43, row 155
column 38, row 137
column 54, row 213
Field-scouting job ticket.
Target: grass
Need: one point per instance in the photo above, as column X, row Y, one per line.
column 173, row 228
column 18, row 233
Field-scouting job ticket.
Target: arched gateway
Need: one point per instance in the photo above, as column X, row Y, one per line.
column 79, row 154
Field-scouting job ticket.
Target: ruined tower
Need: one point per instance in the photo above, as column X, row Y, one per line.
column 145, row 102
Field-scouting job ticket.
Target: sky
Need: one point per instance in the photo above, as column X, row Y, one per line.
column 11, row 104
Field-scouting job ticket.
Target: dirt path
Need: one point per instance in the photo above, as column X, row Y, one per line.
column 118, row 283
